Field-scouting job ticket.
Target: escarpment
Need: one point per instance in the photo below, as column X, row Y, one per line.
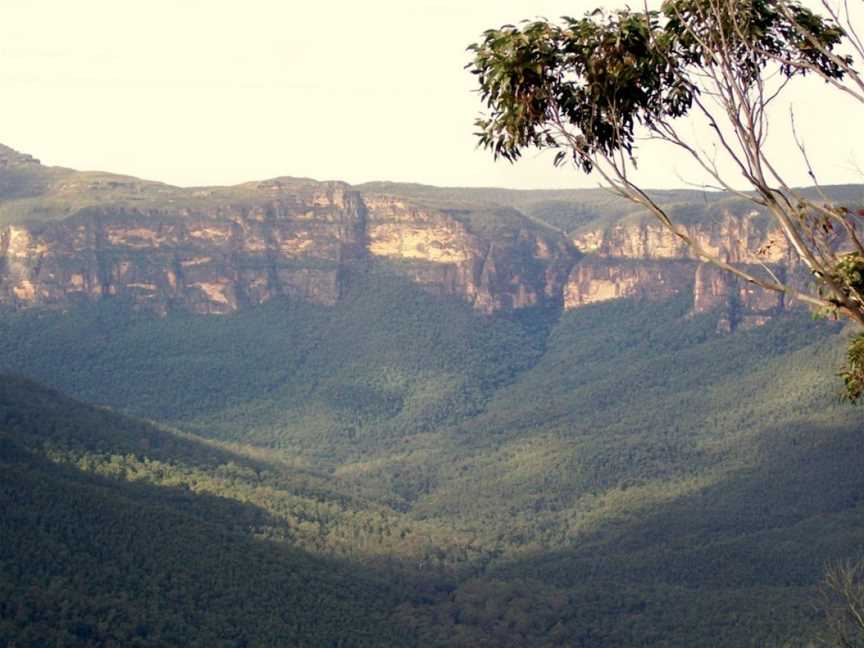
column 519, row 267
column 205, row 260
column 747, row 238
column 301, row 240
column 68, row 237
column 645, row 259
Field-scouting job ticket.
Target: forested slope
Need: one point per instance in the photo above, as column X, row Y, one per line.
column 422, row 416
column 117, row 533
column 617, row 475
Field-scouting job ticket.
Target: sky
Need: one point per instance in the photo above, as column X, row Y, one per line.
column 195, row 92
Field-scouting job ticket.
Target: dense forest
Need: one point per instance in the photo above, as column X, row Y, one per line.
column 400, row 470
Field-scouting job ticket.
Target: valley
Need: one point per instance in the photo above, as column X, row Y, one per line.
column 391, row 415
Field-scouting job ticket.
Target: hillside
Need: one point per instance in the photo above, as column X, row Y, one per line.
column 576, row 474
column 117, row 533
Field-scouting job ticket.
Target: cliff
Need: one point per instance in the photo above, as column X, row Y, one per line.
column 204, row 260
column 68, row 237
column 214, row 250
column 518, row 266
column 639, row 257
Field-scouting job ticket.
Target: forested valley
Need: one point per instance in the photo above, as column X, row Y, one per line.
column 400, row 470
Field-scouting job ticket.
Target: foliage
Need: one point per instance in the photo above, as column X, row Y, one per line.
column 757, row 33
column 307, row 377
column 121, row 549
column 603, row 74
column 853, row 373
column 849, row 273
column 606, row 74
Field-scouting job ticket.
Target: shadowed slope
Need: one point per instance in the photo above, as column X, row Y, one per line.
column 90, row 560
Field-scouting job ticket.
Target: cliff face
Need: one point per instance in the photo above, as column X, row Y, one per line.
column 518, row 268
column 297, row 241
column 644, row 259
column 740, row 304
column 736, row 239
column 205, row 261
column 68, row 237
column 598, row 280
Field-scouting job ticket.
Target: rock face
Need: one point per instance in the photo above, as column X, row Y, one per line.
column 72, row 237
column 740, row 305
column 202, row 261
column 598, row 280
column 297, row 241
column 646, row 260
column 737, row 239
column 520, row 268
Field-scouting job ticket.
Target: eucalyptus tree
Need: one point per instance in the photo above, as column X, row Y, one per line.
column 592, row 87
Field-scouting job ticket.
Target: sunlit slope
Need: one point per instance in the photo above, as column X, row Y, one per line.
column 665, row 487
column 629, row 391
column 115, row 533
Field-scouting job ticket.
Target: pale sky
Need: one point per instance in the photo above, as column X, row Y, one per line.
column 196, row 92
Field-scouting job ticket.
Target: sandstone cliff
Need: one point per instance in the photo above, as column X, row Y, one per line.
column 204, row 260
column 642, row 258
column 214, row 250
column 519, row 267
column 744, row 238
column 68, row 237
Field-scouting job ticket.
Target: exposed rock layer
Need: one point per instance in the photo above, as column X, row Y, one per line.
column 214, row 250
column 298, row 242
column 206, row 262
column 735, row 239
column 645, row 259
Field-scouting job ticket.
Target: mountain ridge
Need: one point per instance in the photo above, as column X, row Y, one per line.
column 68, row 237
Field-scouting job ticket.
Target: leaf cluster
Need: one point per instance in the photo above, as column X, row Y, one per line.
column 853, row 372
column 584, row 85
column 603, row 74
column 750, row 34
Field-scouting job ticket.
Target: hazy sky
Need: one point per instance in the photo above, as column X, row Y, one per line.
column 220, row 92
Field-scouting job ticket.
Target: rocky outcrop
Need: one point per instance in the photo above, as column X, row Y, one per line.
column 302, row 239
column 10, row 158
column 521, row 267
column 597, row 280
column 748, row 238
column 646, row 260
column 286, row 240
column 204, row 261
column 739, row 304
column 218, row 249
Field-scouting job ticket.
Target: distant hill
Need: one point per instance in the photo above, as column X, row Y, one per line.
column 70, row 237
